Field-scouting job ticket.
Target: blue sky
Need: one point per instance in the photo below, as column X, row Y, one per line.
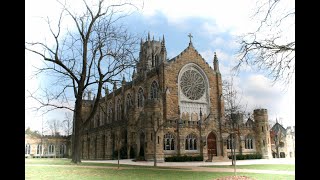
column 214, row 26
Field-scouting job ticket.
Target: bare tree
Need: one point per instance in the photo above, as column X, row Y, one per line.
column 67, row 123
column 234, row 111
column 271, row 46
column 54, row 126
column 93, row 54
column 156, row 125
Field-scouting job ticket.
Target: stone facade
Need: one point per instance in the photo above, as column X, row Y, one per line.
column 172, row 107
column 38, row 146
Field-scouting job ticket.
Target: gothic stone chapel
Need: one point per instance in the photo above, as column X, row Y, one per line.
column 173, row 107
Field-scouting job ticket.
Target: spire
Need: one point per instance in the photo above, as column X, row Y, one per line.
column 114, row 86
column 123, row 80
column 163, row 50
column 141, row 43
column 276, row 120
column 152, row 38
column 106, row 90
column 216, row 63
column 148, row 41
column 123, row 84
column 163, row 41
column 163, row 44
column 134, row 73
column 89, row 95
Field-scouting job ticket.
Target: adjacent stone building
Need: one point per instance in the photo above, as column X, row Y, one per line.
column 282, row 141
column 171, row 107
column 47, row 146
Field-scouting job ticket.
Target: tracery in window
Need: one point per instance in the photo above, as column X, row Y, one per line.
column 39, row 149
column 192, row 84
column 249, row 142
column 128, row 102
column 51, row 149
column 230, row 142
column 168, row 142
column 118, row 118
column 191, row 142
column 140, row 98
column 154, row 90
column 62, row 149
column 109, row 113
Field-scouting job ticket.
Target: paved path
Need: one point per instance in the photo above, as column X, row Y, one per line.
column 196, row 166
column 220, row 162
column 209, row 169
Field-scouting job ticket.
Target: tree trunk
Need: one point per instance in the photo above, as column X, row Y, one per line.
column 154, row 149
column 232, row 154
column 77, row 130
column 118, row 155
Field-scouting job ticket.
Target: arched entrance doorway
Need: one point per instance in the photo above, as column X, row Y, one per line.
column 141, row 150
column 212, row 145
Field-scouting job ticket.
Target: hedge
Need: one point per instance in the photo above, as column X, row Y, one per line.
column 247, row 156
column 183, row 158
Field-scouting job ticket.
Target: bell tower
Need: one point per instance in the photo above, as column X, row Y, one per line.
column 262, row 141
column 151, row 54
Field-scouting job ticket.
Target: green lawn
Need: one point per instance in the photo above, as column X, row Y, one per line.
column 68, row 162
column 275, row 167
column 127, row 172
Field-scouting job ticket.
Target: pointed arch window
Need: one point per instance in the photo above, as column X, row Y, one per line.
column 191, row 142
column 154, row 90
column 128, row 102
column 168, row 142
column 249, row 142
column 51, row 149
column 28, row 149
column 109, row 113
column 230, row 142
column 62, row 149
column 140, row 98
column 97, row 120
column 157, row 60
column 118, row 110
column 39, row 149
column 101, row 116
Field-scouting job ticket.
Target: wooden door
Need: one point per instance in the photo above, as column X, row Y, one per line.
column 212, row 145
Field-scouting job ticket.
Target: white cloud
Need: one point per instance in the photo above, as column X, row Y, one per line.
column 227, row 14
column 225, row 60
column 258, row 92
column 218, row 41
column 211, row 29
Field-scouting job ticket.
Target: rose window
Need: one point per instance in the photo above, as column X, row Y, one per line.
column 192, row 84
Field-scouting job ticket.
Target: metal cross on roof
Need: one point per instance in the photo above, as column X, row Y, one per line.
column 190, row 36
